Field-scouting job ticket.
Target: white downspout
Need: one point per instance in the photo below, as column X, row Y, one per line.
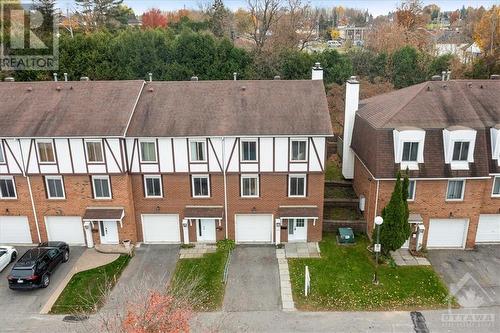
column 31, row 193
column 225, row 183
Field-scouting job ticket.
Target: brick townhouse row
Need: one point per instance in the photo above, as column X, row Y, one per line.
column 446, row 135
column 91, row 162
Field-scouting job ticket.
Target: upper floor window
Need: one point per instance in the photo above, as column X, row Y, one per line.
column 102, row 187
column 250, row 186
column 197, row 151
column 200, row 186
column 297, row 185
column 249, row 150
column 94, row 151
column 55, row 187
column 148, row 151
column 410, row 152
column 456, row 189
column 7, row 188
column 495, row 143
column 461, row 151
column 409, row 147
column 411, row 190
column 2, row 157
column 496, row 187
column 153, row 187
column 298, row 150
column 459, row 145
column 46, row 152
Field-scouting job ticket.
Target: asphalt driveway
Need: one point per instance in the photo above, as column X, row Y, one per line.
column 23, row 303
column 473, row 276
column 253, row 280
column 150, row 269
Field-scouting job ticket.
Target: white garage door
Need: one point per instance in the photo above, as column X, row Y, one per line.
column 254, row 228
column 488, row 229
column 68, row 229
column 161, row 228
column 447, row 233
column 15, row 230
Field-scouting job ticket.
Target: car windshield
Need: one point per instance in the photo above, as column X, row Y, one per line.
column 2, row 252
column 20, row 273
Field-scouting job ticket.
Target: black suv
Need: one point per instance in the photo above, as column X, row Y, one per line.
column 33, row 269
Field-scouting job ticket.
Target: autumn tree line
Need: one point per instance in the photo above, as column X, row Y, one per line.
column 268, row 38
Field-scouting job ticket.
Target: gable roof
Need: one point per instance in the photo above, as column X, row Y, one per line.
column 436, row 104
column 76, row 108
column 225, row 108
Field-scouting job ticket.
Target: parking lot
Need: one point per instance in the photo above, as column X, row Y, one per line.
column 23, row 303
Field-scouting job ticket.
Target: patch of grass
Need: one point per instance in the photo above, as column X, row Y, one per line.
column 86, row 290
column 342, row 213
column 333, row 170
column 340, row 192
column 206, row 275
column 342, row 281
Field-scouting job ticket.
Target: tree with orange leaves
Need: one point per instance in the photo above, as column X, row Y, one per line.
column 154, row 18
column 487, row 31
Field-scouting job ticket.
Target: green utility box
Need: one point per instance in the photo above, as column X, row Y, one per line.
column 346, row 235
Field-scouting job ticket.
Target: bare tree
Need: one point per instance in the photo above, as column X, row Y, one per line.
column 265, row 14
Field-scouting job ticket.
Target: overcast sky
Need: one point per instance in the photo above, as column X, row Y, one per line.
column 376, row 7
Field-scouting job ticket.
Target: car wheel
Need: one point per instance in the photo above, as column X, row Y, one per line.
column 13, row 256
column 66, row 256
column 45, row 281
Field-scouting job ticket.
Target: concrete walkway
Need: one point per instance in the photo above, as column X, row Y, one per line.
column 197, row 251
column 403, row 257
column 287, row 303
column 88, row 260
column 302, row 250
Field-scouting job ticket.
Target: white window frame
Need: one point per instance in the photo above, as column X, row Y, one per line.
column 60, row 178
column 140, row 151
column 109, row 185
column 53, row 152
column 414, row 189
column 256, row 150
column 2, row 154
column 13, row 185
column 87, row 151
column 250, row 176
column 205, row 152
column 400, row 137
column 493, row 194
column 146, row 187
column 463, row 189
column 291, row 149
column 458, row 135
column 304, row 176
column 192, row 186
column 495, row 144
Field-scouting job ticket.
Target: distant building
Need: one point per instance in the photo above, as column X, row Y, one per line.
column 456, row 43
column 352, row 33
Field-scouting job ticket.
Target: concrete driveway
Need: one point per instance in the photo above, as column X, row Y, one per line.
column 24, row 303
column 473, row 276
column 253, row 281
column 150, row 268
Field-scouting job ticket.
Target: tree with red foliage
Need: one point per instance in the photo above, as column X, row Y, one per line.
column 154, row 18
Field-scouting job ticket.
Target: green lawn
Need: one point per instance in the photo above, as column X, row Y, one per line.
column 340, row 192
column 86, row 290
column 342, row 213
column 342, row 281
column 203, row 277
column 333, row 171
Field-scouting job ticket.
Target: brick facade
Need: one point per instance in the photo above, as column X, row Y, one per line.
column 430, row 200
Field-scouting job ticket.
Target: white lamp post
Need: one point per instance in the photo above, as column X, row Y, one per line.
column 378, row 222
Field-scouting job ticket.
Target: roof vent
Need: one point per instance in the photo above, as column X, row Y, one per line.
column 495, row 77
column 469, row 84
column 194, row 78
column 55, row 77
column 84, row 78
column 277, row 77
column 436, row 78
column 428, row 88
column 243, row 88
column 58, row 88
column 150, row 77
column 66, row 77
column 151, row 89
column 30, row 89
column 235, row 76
column 9, row 79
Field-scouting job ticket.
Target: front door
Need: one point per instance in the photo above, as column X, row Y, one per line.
column 297, row 230
column 109, row 232
column 206, row 230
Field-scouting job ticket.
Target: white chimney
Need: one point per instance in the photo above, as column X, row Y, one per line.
column 351, row 106
column 317, row 72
